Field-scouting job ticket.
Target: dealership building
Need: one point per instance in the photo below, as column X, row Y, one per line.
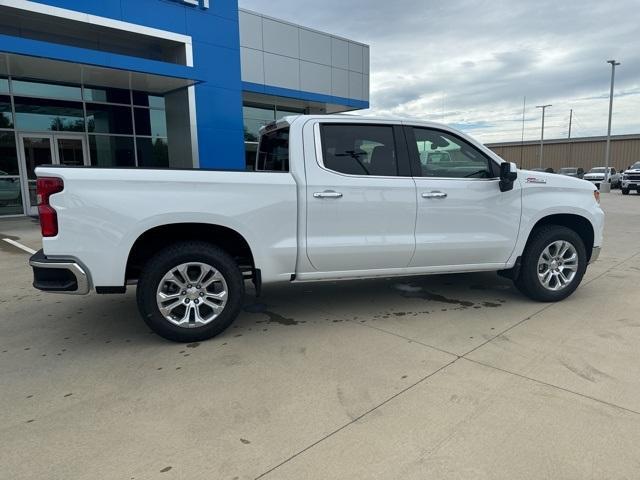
column 156, row 83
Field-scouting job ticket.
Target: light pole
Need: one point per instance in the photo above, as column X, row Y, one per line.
column 605, row 186
column 544, row 109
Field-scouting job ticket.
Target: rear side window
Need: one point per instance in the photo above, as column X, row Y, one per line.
column 359, row 149
column 273, row 152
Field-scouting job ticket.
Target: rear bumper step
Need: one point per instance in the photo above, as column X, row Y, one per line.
column 58, row 275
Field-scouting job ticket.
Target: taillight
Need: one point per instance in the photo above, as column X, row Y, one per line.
column 45, row 187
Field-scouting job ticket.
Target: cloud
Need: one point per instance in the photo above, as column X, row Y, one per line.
column 471, row 62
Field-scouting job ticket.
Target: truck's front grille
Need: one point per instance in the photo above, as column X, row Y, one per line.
column 634, row 176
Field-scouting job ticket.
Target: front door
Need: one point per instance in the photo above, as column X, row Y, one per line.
column 45, row 149
column 463, row 217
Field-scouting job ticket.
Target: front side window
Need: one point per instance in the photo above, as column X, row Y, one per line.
column 273, row 152
column 359, row 149
column 442, row 155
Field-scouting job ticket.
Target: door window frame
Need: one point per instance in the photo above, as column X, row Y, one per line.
column 399, row 140
column 415, row 155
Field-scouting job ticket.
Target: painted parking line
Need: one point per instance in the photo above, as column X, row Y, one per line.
column 19, row 245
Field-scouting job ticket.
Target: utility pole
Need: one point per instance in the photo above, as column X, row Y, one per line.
column 524, row 109
column 544, row 109
column 570, row 144
column 605, row 186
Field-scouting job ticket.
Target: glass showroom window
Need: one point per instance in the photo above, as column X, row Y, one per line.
column 41, row 114
column 256, row 117
column 111, row 151
column 10, row 185
column 6, row 117
column 150, row 119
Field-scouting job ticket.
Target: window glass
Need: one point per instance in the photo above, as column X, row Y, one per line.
column 273, row 152
column 37, row 114
column 250, row 152
column 359, row 149
column 6, row 117
column 109, row 119
column 443, row 155
column 258, row 113
column 152, row 152
column 109, row 95
column 151, row 122
column 252, row 129
column 254, row 119
column 10, row 195
column 4, row 85
column 283, row 112
column 107, row 151
column 48, row 90
column 8, row 154
column 147, row 100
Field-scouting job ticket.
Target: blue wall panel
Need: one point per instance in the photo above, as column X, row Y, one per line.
column 216, row 51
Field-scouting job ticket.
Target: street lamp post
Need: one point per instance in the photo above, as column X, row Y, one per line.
column 544, row 109
column 605, row 186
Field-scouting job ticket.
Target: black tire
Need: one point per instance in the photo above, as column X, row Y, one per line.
column 173, row 256
column 528, row 281
column 625, row 191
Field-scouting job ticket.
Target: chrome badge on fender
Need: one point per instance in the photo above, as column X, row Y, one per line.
column 536, row 180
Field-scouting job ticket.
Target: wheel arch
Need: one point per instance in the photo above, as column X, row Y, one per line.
column 578, row 223
column 156, row 238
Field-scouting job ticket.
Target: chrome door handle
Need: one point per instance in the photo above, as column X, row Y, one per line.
column 434, row 194
column 327, row 194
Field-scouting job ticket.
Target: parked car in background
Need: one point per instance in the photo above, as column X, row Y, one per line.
column 596, row 176
column 9, row 188
column 631, row 179
column 572, row 172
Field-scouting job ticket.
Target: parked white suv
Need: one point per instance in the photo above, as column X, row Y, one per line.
column 596, row 176
column 631, row 179
column 333, row 197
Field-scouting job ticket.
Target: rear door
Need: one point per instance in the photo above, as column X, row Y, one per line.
column 361, row 199
column 463, row 217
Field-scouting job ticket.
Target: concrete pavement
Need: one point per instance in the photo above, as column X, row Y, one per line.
column 452, row 377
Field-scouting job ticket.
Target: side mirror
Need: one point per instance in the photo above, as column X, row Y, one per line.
column 508, row 175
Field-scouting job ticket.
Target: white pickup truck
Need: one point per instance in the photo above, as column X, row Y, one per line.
column 631, row 179
column 332, row 197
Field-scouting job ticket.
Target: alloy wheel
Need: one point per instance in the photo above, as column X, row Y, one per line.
column 192, row 295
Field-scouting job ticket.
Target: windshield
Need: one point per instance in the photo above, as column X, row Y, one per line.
column 597, row 170
column 635, row 166
column 568, row 170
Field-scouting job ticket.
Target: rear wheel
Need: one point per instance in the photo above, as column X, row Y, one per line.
column 553, row 264
column 189, row 292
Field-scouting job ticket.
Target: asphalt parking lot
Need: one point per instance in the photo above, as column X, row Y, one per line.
column 456, row 377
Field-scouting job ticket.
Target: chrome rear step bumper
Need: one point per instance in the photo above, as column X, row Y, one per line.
column 58, row 275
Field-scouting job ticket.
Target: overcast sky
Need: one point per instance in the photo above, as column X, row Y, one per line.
column 470, row 62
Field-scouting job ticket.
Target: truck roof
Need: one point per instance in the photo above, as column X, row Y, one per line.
column 348, row 117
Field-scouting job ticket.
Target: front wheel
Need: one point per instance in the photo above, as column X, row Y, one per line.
column 190, row 291
column 625, row 191
column 553, row 264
